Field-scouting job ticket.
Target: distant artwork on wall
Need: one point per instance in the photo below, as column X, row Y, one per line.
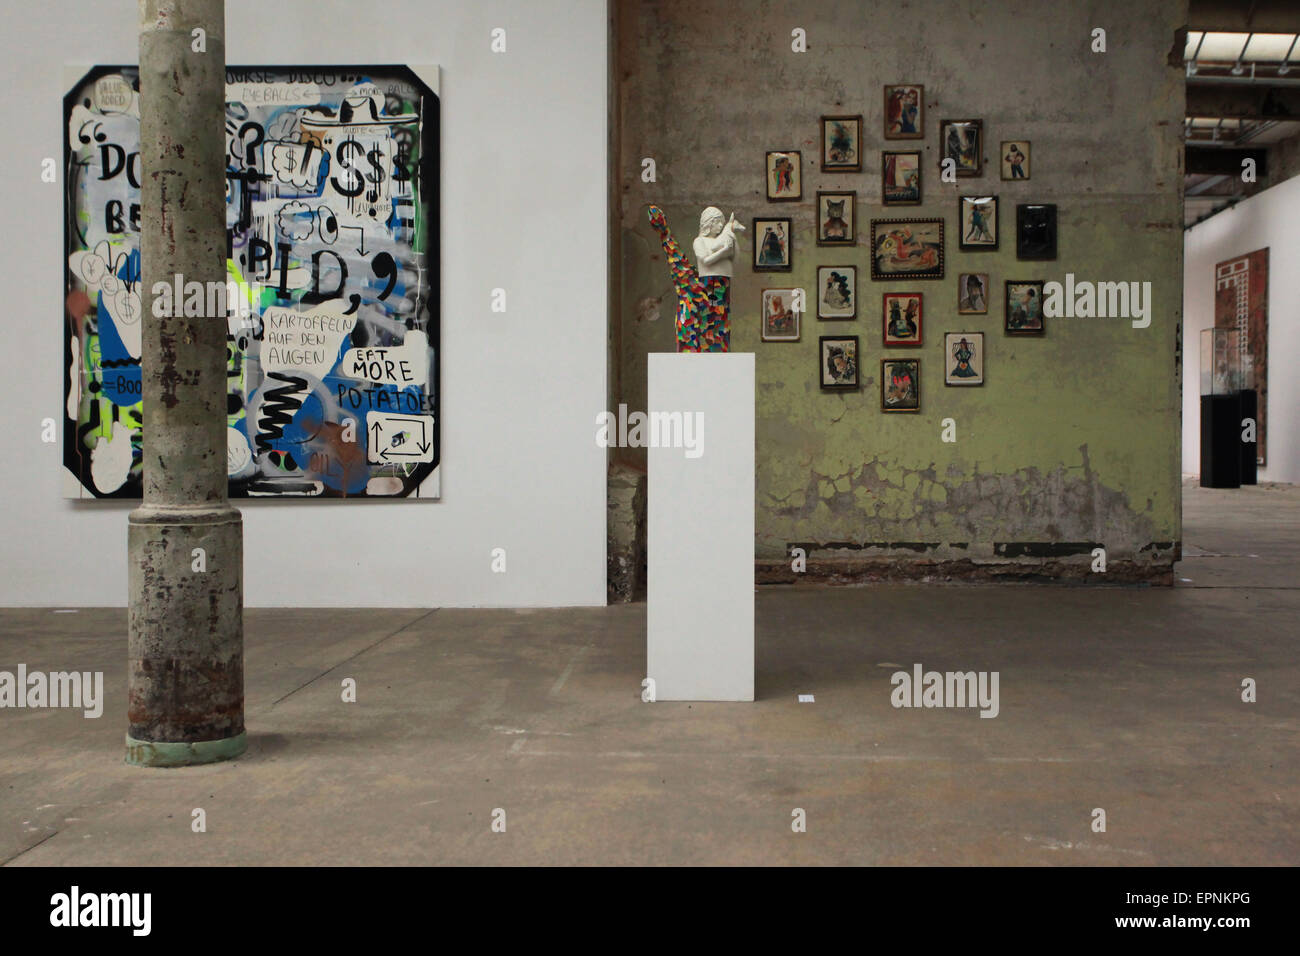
column 973, row 293
column 837, row 219
column 978, row 216
column 901, row 318
column 1241, row 303
column 1015, row 159
column 780, row 320
column 907, row 249
column 900, row 178
column 842, row 144
column 900, row 385
column 963, row 358
column 838, row 361
column 837, row 292
column 784, row 176
column 772, row 252
column 331, row 301
column 962, row 141
column 904, row 111
column 1024, row 308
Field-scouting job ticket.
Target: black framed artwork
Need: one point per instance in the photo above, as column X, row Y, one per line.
column 772, row 244
column 837, row 223
column 837, row 361
column 1036, row 231
column 978, row 218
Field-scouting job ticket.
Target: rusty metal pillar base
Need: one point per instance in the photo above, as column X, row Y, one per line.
column 186, row 636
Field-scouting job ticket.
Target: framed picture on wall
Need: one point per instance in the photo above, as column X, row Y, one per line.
column 900, row 178
column 973, row 293
column 836, row 219
column 780, row 320
column 842, row 144
column 904, row 111
column 900, row 385
column 784, row 176
column 906, row 249
column 978, row 216
column 962, row 141
column 838, row 361
column 1024, row 307
column 772, row 251
column 1015, row 159
column 900, row 319
column 837, row 292
column 1036, row 231
column 963, row 358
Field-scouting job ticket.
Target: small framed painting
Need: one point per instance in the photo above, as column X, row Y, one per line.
column 842, row 144
column 838, row 361
column 772, row 245
column 901, row 319
column 780, row 320
column 836, row 219
column 963, row 358
column 837, row 292
column 904, row 111
column 1015, row 159
column 978, row 216
column 784, row 176
column 1024, row 307
column 900, row 385
column 1036, row 231
column 900, row 178
column 973, row 293
column 906, row 249
column 962, row 141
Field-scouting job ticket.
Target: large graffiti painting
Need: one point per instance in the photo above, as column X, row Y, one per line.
column 332, row 284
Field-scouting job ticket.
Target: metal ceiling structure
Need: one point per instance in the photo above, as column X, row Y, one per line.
column 1243, row 94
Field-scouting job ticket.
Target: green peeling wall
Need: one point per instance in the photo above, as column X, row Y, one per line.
column 1074, row 439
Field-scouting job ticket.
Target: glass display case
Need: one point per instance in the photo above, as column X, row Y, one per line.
column 1222, row 356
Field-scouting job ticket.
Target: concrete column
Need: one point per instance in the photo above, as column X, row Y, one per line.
column 186, row 631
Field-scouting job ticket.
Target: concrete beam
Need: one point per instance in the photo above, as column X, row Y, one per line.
column 1218, row 161
column 1243, row 101
column 1233, row 16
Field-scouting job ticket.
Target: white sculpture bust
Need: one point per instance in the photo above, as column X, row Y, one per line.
column 715, row 246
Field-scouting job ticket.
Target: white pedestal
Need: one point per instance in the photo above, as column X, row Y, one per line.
column 700, row 526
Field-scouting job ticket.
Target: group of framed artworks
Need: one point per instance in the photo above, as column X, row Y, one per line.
column 908, row 248
column 902, row 313
column 900, row 377
column 901, row 249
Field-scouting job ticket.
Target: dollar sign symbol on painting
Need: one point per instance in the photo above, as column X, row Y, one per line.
column 375, row 155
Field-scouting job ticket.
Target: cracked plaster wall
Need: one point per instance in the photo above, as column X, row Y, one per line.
column 1075, row 437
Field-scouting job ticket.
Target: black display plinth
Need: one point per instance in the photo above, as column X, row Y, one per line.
column 1221, row 441
column 1249, row 450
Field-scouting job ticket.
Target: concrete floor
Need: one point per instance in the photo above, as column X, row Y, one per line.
column 1120, row 698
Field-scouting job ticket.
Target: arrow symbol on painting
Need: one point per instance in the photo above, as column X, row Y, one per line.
column 361, row 248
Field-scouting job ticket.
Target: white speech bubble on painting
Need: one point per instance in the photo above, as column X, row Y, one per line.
column 274, row 94
column 110, row 459
column 400, row 365
column 297, row 164
column 309, row 342
column 113, row 94
column 239, row 456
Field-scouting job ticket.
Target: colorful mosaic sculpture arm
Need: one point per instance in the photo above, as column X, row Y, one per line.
column 703, row 301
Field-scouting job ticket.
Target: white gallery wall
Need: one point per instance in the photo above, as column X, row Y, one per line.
column 523, row 147
column 1268, row 219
